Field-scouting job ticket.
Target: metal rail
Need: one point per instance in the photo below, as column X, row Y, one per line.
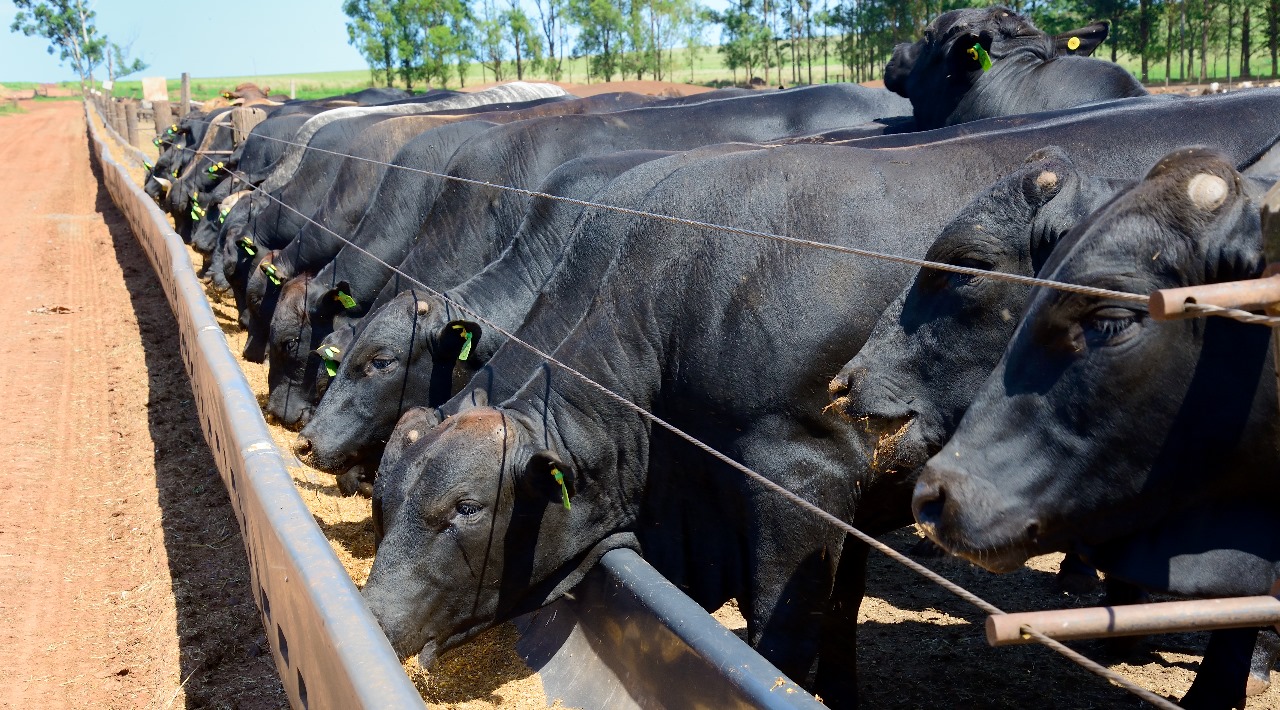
column 339, row 657
column 1135, row 619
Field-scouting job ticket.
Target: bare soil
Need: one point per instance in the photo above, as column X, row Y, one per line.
column 919, row 647
column 123, row 583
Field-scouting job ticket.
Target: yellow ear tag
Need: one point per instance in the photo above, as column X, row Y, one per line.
column 1073, row 44
column 564, row 490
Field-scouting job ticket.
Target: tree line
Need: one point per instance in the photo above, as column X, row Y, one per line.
column 69, row 27
column 436, row 42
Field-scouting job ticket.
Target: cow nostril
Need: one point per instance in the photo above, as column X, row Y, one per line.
column 839, row 386
column 302, row 446
column 928, row 502
column 1033, row 530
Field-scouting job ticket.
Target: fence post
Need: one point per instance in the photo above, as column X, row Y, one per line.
column 164, row 116
column 117, row 116
column 131, row 123
column 185, row 106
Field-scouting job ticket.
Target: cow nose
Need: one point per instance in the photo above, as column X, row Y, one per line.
column 843, row 383
column 927, row 503
column 301, row 446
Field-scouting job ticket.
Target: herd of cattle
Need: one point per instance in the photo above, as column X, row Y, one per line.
column 1011, row 421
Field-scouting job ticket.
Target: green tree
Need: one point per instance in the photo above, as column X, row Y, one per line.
column 68, row 25
column 551, row 21
column 523, row 38
column 371, row 29
column 119, row 64
column 601, row 35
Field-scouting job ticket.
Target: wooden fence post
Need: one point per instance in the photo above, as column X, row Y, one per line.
column 131, row 123
column 185, row 106
column 164, row 116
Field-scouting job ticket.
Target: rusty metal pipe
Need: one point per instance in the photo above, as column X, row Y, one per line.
column 1254, row 294
column 1135, row 620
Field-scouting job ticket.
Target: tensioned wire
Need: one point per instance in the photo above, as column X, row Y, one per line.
column 1102, row 293
column 796, row 499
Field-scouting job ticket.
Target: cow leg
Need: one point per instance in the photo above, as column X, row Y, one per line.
column 1118, row 593
column 789, row 595
column 1075, row 576
column 1224, row 673
column 837, row 679
column 1265, row 653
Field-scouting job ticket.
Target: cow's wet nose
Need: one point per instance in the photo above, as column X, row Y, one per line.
column 301, row 446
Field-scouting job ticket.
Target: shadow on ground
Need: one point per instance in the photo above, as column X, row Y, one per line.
column 225, row 659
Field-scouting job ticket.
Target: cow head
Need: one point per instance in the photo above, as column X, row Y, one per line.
column 910, row 383
column 1099, row 421
column 936, row 71
column 478, row 524
column 405, row 355
column 302, row 317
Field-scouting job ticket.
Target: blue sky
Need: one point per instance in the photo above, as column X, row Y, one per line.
column 217, row 38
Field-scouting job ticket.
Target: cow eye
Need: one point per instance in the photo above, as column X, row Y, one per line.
column 1110, row 326
column 958, row 279
column 467, row 508
column 381, row 363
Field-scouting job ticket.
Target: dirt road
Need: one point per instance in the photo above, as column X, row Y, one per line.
column 123, row 582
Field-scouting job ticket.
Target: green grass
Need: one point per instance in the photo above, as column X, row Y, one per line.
column 9, row 110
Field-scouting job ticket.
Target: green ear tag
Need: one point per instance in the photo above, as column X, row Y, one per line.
column 222, row 215
column 147, row 164
column 346, row 301
column 466, row 343
column 564, row 490
column 197, row 212
column 246, row 244
column 331, row 367
column 980, row 56
column 272, row 274
column 175, row 172
column 155, row 142
column 173, row 129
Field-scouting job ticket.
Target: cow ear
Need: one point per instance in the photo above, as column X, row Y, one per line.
column 1045, row 172
column 899, row 68
column 969, row 52
column 458, row 339
column 548, row 475
column 1081, row 42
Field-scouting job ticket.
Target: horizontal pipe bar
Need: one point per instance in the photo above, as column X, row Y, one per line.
column 1135, row 619
column 1254, row 294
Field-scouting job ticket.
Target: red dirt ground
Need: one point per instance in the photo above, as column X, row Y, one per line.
column 123, row 583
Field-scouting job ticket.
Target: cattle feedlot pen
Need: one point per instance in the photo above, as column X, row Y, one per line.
column 1198, row 308
column 929, row 574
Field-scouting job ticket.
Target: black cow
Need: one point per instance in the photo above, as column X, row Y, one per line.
column 910, row 384
column 975, row 64
column 357, row 180
column 425, row 334
column 732, row 338
column 1147, row 447
column 473, row 223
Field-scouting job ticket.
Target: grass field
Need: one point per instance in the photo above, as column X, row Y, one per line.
column 707, row 69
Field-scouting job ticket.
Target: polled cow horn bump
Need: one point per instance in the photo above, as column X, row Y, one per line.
column 1206, row 191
